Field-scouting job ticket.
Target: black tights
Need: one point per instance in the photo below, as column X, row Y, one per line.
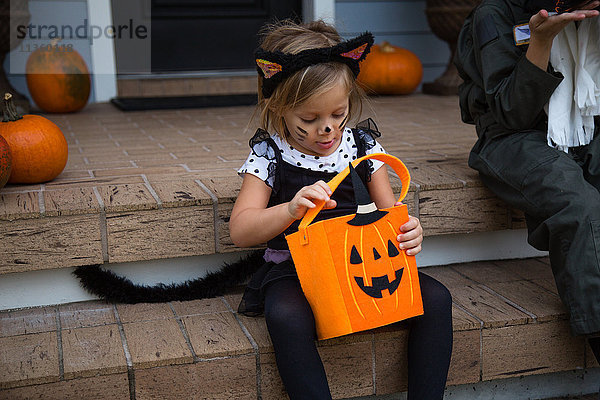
column 292, row 328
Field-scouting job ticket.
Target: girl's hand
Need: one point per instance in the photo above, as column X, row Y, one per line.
column 544, row 27
column 411, row 236
column 305, row 199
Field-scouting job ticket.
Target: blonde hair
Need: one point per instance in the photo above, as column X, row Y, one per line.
column 289, row 37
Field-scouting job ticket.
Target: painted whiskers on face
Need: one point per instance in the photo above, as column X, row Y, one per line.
column 302, row 134
column 312, row 127
column 343, row 123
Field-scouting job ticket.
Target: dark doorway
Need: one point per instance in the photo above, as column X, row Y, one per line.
column 196, row 35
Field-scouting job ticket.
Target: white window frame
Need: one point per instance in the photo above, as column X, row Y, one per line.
column 104, row 67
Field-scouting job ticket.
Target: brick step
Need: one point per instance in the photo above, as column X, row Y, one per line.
column 508, row 322
column 161, row 184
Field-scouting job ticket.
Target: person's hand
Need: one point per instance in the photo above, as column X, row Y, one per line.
column 411, row 236
column 305, row 199
column 544, row 26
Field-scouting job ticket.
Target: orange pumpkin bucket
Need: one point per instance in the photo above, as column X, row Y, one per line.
column 351, row 270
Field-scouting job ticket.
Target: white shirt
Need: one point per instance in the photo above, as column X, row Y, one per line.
column 335, row 162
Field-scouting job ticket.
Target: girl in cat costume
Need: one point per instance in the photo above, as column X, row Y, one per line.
column 307, row 96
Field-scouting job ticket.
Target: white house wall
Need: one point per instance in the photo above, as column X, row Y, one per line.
column 400, row 22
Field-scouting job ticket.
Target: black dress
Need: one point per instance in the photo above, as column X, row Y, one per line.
column 288, row 180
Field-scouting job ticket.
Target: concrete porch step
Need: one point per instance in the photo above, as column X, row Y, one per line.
column 508, row 322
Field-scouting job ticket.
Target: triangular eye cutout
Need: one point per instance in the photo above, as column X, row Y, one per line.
column 356, row 53
column 376, row 255
column 392, row 250
column 268, row 68
column 355, row 258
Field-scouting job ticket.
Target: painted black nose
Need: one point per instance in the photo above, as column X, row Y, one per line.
column 327, row 129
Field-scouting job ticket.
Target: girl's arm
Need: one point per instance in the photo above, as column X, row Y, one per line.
column 382, row 194
column 253, row 223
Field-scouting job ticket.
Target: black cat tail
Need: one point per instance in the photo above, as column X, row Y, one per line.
column 116, row 289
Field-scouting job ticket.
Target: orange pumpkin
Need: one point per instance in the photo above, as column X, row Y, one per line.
column 39, row 148
column 5, row 162
column 58, row 79
column 389, row 69
column 352, row 272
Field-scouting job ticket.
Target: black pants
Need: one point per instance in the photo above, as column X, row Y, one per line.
column 559, row 194
column 292, row 329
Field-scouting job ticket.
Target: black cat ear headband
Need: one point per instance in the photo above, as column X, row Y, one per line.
column 274, row 67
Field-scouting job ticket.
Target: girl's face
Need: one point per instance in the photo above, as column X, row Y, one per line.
column 315, row 127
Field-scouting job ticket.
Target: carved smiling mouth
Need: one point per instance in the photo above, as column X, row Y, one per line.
column 380, row 283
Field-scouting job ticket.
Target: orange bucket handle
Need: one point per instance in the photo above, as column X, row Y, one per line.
column 397, row 165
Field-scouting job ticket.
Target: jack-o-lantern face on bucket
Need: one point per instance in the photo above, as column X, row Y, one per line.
column 380, row 283
column 375, row 270
column 374, row 263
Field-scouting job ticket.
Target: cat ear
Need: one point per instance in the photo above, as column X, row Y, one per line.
column 268, row 68
column 356, row 53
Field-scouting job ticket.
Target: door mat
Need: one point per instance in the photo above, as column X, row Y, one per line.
column 168, row 103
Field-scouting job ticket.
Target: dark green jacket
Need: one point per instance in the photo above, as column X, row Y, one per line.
column 503, row 92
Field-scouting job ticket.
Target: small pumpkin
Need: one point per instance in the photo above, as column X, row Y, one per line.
column 390, row 69
column 5, row 161
column 39, row 148
column 58, row 78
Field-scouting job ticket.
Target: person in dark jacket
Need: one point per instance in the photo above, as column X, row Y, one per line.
column 503, row 57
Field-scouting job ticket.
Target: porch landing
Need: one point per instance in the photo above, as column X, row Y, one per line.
column 161, row 184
